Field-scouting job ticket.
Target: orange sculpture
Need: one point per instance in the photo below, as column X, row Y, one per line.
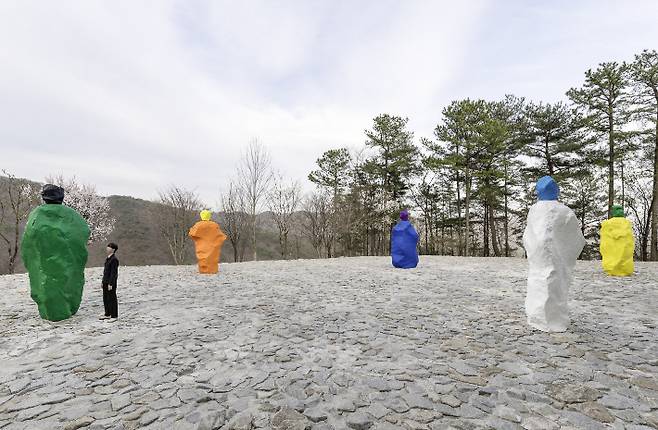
column 208, row 240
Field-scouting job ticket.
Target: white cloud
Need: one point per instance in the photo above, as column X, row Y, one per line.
column 132, row 96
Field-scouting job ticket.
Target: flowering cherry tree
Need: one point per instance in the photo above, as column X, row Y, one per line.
column 94, row 209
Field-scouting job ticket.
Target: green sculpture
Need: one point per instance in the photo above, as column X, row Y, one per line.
column 54, row 251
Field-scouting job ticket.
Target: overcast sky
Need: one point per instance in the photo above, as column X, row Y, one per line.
column 134, row 95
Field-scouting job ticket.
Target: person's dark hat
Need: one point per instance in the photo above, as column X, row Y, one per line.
column 52, row 194
column 113, row 245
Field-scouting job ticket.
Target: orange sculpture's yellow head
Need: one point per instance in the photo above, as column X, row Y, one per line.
column 206, row 215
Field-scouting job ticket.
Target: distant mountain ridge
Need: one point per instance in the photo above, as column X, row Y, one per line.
column 140, row 242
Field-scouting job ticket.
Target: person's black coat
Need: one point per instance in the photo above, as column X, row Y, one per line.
column 111, row 271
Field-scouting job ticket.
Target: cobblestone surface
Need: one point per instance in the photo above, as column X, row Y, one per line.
column 340, row 344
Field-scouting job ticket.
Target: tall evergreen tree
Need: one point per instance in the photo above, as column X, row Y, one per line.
column 333, row 171
column 456, row 147
column 644, row 76
column 604, row 97
column 510, row 114
column 584, row 195
column 396, row 158
column 553, row 139
column 333, row 175
column 394, row 163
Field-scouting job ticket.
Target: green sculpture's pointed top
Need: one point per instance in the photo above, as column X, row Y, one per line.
column 617, row 211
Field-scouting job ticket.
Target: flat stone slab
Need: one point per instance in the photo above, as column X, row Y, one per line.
column 333, row 344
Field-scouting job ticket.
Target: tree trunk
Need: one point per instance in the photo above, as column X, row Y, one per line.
column 485, row 231
column 12, row 263
column 506, row 215
column 14, row 252
column 443, row 241
column 467, row 212
column 492, row 230
column 459, row 208
column 427, row 227
column 452, row 240
column 623, row 181
column 173, row 254
column 285, row 245
column 611, row 165
column 253, row 235
column 459, row 217
column 654, row 201
column 547, row 152
column 644, row 240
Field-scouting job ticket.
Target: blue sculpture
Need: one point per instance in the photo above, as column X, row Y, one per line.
column 404, row 243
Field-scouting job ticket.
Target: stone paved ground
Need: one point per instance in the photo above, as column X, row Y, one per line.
column 346, row 343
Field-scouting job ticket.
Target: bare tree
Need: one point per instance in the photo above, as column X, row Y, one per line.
column 283, row 200
column 639, row 202
column 255, row 176
column 317, row 214
column 236, row 219
column 93, row 208
column 176, row 215
column 22, row 196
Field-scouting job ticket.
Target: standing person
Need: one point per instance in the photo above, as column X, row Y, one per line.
column 404, row 243
column 553, row 241
column 110, row 276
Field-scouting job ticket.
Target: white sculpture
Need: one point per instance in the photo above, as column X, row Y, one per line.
column 553, row 241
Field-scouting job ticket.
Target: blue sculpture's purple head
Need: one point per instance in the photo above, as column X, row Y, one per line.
column 547, row 189
column 404, row 215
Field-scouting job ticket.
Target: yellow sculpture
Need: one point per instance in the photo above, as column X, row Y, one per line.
column 617, row 244
column 208, row 240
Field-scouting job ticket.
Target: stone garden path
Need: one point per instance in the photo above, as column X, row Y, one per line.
column 333, row 344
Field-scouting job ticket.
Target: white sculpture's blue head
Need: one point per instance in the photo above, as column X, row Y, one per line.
column 547, row 189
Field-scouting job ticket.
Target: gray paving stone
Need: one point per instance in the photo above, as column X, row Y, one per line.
column 397, row 404
column 359, row 421
column 345, row 405
column 241, row 421
column 573, row 393
column 331, row 341
column 507, row 414
column 416, row 401
column 120, row 402
column 289, row 419
column 377, row 410
column 615, row 401
column 78, row 423
column 316, row 414
column 595, row 411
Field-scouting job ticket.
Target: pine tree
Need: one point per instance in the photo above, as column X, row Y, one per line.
column 333, row 175
column 553, row 139
column 644, row 76
column 456, row 147
column 333, row 171
column 396, row 158
column 604, row 97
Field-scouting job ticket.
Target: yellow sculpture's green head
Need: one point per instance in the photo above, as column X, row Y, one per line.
column 617, row 211
column 206, row 215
